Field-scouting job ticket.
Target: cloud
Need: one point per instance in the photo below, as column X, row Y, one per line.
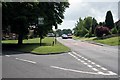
column 83, row 9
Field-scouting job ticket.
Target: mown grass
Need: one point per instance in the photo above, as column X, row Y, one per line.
column 33, row 45
column 113, row 41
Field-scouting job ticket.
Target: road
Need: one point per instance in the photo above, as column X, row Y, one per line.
column 84, row 61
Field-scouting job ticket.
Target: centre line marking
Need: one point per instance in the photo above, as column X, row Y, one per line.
column 7, row 55
column 26, row 60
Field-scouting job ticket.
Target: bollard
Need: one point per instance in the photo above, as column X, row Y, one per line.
column 53, row 43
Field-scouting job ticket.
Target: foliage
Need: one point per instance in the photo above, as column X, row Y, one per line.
column 101, row 31
column 59, row 32
column 89, row 34
column 87, row 22
column 52, row 12
column 64, row 31
column 109, row 20
column 85, row 27
column 114, row 30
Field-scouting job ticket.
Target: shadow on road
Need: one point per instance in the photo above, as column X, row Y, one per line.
column 20, row 49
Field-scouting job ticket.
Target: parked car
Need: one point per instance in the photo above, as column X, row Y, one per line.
column 64, row 36
column 69, row 36
column 51, row 35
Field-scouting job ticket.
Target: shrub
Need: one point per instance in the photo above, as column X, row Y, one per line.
column 114, row 30
column 101, row 31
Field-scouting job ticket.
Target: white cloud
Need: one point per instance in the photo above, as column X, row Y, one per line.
column 80, row 8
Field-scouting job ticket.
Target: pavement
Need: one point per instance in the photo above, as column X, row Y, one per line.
column 84, row 61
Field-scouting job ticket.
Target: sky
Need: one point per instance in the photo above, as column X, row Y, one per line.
column 96, row 9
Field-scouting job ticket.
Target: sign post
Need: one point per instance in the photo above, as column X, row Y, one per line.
column 40, row 22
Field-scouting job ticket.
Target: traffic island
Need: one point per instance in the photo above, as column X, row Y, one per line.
column 32, row 46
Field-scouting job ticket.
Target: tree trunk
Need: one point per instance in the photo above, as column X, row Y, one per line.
column 20, row 39
column 40, row 41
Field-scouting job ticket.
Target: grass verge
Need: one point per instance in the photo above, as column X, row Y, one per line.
column 32, row 45
column 113, row 41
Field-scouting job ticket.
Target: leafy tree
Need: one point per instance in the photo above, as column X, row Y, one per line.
column 59, row 32
column 20, row 27
column 101, row 31
column 101, row 24
column 114, row 30
column 52, row 12
column 88, row 22
column 109, row 20
column 66, row 31
column 86, row 27
column 94, row 25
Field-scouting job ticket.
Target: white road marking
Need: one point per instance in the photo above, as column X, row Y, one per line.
column 98, row 65
column 92, row 63
column 90, row 66
column 95, row 69
column 7, row 55
column 86, row 59
column 73, row 70
column 85, row 63
column 103, row 68
column 75, row 56
column 112, row 73
column 89, row 61
column 26, row 60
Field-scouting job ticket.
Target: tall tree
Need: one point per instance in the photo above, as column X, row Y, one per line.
column 109, row 20
column 94, row 25
column 52, row 12
column 88, row 22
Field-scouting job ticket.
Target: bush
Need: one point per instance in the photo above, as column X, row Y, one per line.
column 114, row 30
column 101, row 31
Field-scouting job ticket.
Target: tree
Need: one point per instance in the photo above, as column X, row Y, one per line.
column 66, row 31
column 52, row 12
column 59, row 32
column 101, row 31
column 85, row 27
column 88, row 22
column 94, row 25
column 20, row 27
column 109, row 20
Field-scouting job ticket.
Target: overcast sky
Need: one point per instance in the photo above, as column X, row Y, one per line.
column 83, row 9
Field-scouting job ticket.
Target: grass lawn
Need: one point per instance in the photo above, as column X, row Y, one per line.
column 32, row 45
column 113, row 41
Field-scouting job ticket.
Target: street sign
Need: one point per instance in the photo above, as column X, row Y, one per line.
column 40, row 20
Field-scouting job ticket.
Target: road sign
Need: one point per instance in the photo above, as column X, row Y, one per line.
column 40, row 20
